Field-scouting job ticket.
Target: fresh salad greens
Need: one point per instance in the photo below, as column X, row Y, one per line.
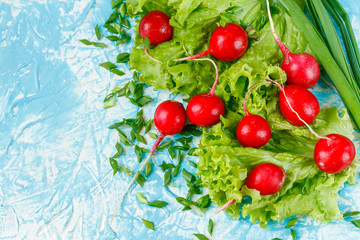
column 224, row 164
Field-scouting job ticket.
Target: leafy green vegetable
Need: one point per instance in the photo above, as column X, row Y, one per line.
column 200, row 236
column 158, row 204
column 148, row 224
column 291, row 223
column 97, row 32
column 351, row 214
column 293, row 234
column 140, row 179
column 356, row 223
column 167, row 178
column 141, row 198
column 210, row 226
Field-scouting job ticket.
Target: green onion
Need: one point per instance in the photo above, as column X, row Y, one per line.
column 346, row 89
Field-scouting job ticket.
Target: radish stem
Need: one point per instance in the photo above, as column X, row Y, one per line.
column 149, row 56
column 153, row 149
column 212, row 91
column 206, row 52
column 282, row 46
column 225, row 206
column 291, row 108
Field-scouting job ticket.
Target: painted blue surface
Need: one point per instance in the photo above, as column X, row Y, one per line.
column 55, row 178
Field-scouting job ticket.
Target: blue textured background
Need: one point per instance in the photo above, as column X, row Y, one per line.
column 55, row 177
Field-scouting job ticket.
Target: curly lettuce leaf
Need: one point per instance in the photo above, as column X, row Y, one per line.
column 224, row 165
column 193, row 23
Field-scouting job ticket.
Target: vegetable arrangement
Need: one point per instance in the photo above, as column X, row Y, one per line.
column 288, row 155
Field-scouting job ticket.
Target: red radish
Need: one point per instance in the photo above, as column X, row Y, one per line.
column 226, row 43
column 205, row 109
column 170, row 119
column 334, row 154
column 155, row 26
column 301, row 69
column 267, row 178
column 298, row 105
column 253, row 130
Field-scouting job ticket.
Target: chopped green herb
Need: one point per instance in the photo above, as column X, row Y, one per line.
column 148, row 125
column 191, row 163
column 117, row 72
column 123, row 138
column 140, row 138
column 148, row 224
column 291, row 223
column 204, row 201
column 185, row 202
column 108, row 65
column 123, row 40
column 114, row 164
column 126, row 171
column 122, row 10
column 113, row 38
column 148, row 169
column 119, row 148
column 116, row 125
column 152, row 135
column 210, row 226
column 112, row 18
column 123, row 57
column 142, row 101
column 109, row 103
column 191, row 151
column 350, row 214
column 164, row 145
column 356, row 223
column 293, row 234
column 125, row 22
column 85, row 41
column 188, row 176
column 97, row 32
column 138, row 153
column 200, row 236
column 108, row 97
column 111, row 29
column 95, row 44
column 177, row 168
column 165, row 166
column 167, row 178
column 158, row 204
column 136, row 77
column 171, row 152
column 142, row 199
column 132, row 135
column 117, row 27
column 116, row 3
column 140, row 179
column 99, row 44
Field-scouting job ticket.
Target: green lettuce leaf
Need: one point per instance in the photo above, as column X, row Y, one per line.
column 224, row 165
column 193, row 23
